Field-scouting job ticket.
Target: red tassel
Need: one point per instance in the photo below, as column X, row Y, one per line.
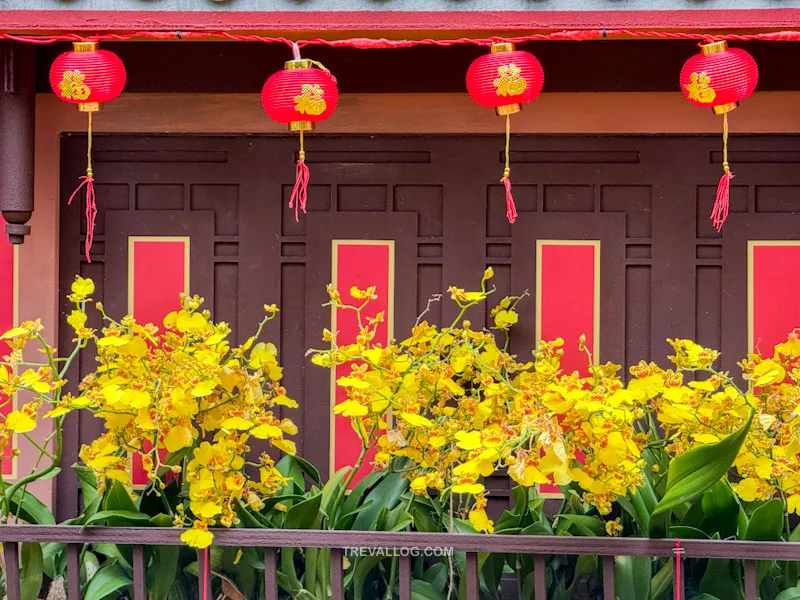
column 511, row 208
column 91, row 211
column 722, row 202
column 300, row 190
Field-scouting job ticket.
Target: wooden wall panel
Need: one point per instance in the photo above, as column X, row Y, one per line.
column 665, row 272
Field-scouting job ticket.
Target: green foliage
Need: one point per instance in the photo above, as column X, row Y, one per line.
column 697, row 470
column 691, row 496
column 28, row 508
column 32, row 571
column 632, row 577
column 110, row 578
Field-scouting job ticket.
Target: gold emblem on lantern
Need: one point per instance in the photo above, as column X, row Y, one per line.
column 699, row 88
column 72, row 86
column 311, row 101
column 509, row 82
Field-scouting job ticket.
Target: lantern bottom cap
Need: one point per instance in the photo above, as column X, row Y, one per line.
column 301, row 126
column 508, row 109
column 724, row 108
column 90, row 106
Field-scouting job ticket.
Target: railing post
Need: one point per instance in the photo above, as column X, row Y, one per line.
column 139, row 576
column 608, row 578
column 337, row 574
column 473, row 582
column 73, row 572
column 750, row 580
column 405, row 577
column 11, row 557
column 270, row 575
column 539, row 577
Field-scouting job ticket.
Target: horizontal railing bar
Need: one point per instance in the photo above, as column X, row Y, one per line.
column 467, row 542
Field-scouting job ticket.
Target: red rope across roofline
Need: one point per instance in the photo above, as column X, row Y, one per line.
column 374, row 43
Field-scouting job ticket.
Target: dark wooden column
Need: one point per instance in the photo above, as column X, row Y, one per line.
column 17, row 111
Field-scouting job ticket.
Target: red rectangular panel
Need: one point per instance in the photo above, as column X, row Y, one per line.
column 568, row 303
column 567, row 298
column 359, row 264
column 774, row 293
column 158, row 272
column 8, row 302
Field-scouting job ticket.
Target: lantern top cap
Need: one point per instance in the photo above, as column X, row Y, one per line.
column 502, row 47
column 713, row 47
column 85, row 46
column 300, row 63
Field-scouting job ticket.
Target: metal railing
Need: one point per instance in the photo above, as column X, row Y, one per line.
column 271, row 539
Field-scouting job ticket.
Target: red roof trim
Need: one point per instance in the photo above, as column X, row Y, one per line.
column 325, row 21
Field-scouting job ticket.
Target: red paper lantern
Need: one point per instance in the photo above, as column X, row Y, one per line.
column 719, row 78
column 505, row 80
column 87, row 77
column 300, row 96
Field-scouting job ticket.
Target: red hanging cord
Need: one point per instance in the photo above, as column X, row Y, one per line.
column 300, row 190
column 723, row 199
column 678, row 554
column 205, row 574
column 87, row 181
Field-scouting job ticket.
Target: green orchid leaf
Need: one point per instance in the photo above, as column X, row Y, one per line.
column 632, row 577
column 109, row 578
column 661, row 583
column 720, row 510
column 697, row 470
column 32, row 571
column 30, row 509
column 585, row 524
column 118, row 517
column 766, row 522
column 303, row 514
column 162, row 572
column 385, row 494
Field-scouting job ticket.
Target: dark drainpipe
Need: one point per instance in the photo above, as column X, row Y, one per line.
column 17, row 117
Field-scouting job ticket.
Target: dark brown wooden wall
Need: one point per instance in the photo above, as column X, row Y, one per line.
column 646, row 197
column 596, row 66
